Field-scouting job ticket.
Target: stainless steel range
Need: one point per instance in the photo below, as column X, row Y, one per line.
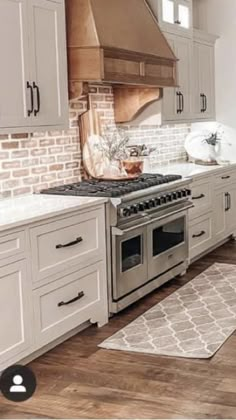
column 147, row 238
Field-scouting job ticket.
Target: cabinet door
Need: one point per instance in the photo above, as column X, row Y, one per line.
column 231, row 205
column 14, row 68
column 15, row 311
column 170, row 99
column 220, row 214
column 204, row 81
column 207, row 79
column 177, row 102
column 184, row 54
column 48, row 62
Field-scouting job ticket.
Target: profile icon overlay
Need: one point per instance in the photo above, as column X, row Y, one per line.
column 17, row 383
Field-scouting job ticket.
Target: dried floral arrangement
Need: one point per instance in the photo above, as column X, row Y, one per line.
column 114, row 144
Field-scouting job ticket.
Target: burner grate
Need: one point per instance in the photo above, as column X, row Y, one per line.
column 99, row 188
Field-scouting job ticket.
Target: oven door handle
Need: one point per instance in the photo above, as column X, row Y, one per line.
column 120, row 232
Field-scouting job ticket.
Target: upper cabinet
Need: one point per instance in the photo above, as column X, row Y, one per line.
column 176, row 105
column 203, row 96
column 173, row 15
column 33, row 71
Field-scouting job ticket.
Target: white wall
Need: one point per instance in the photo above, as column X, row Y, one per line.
column 219, row 17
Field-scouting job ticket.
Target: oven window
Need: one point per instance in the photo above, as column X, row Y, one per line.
column 167, row 236
column 131, row 253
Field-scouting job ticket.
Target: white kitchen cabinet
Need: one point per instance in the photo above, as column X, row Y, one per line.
column 200, row 235
column 33, row 73
column 219, row 215
column 15, row 314
column 203, row 95
column 14, row 68
column 52, row 280
column 173, row 15
column 48, row 62
column 176, row 105
column 230, row 206
column 63, row 305
column 212, row 219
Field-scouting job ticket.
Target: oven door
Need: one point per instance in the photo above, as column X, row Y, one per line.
column 167, row 244
column 129, row 260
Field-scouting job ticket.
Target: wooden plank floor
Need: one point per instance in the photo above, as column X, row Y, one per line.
column 79, row 380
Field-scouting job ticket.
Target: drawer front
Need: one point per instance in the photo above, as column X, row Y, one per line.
column 65, row 304
column 76, row 240
column 200, row 235
column 12, row 244
column 201, row 197
column 224, row 179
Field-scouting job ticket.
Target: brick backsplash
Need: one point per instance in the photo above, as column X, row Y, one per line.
column 30, row 163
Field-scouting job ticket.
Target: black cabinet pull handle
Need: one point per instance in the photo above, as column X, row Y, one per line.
column 203, row 104
column 31, row 98
column 199, row 234
column 37, row 110
column 80, row 296
column 198, row 197
column 225, row 177
column 227, row 202
column 77, row 241
column 179, row 104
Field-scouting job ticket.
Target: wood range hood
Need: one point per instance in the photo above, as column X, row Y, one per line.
column 118, row 42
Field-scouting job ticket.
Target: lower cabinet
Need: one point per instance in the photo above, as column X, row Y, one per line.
column 34, row 314
column 63, row 305
column 15, row 312
column 212, row 219
column 224, row 215
column 220, row 205
column 200, row 235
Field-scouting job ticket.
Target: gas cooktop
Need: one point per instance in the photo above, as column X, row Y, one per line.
column 99, row 188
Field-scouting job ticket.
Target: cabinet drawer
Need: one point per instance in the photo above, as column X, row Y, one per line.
column 12, row 244
column 200, row 235
column 77, row 240
column 68, row 302
column 201, row 197
column 224, row 179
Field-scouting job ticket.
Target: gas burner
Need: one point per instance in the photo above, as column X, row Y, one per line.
column 99, row 188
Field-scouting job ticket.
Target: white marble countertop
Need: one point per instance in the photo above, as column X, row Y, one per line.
column 23, row 210
column 187, row 170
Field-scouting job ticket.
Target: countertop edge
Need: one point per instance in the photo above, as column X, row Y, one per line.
column 49, row 215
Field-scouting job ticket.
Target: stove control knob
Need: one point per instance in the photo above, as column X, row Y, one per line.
column 175, row 195
column 125, row 212
column 184, row 193
column 152, row 203
column 134, row 209
column 142, row 206
column 169, row 197
column 164, row 199
column 189, row 192
column 158, row 201
column 180, row 194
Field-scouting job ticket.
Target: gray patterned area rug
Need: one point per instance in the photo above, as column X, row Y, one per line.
column 193, row 322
